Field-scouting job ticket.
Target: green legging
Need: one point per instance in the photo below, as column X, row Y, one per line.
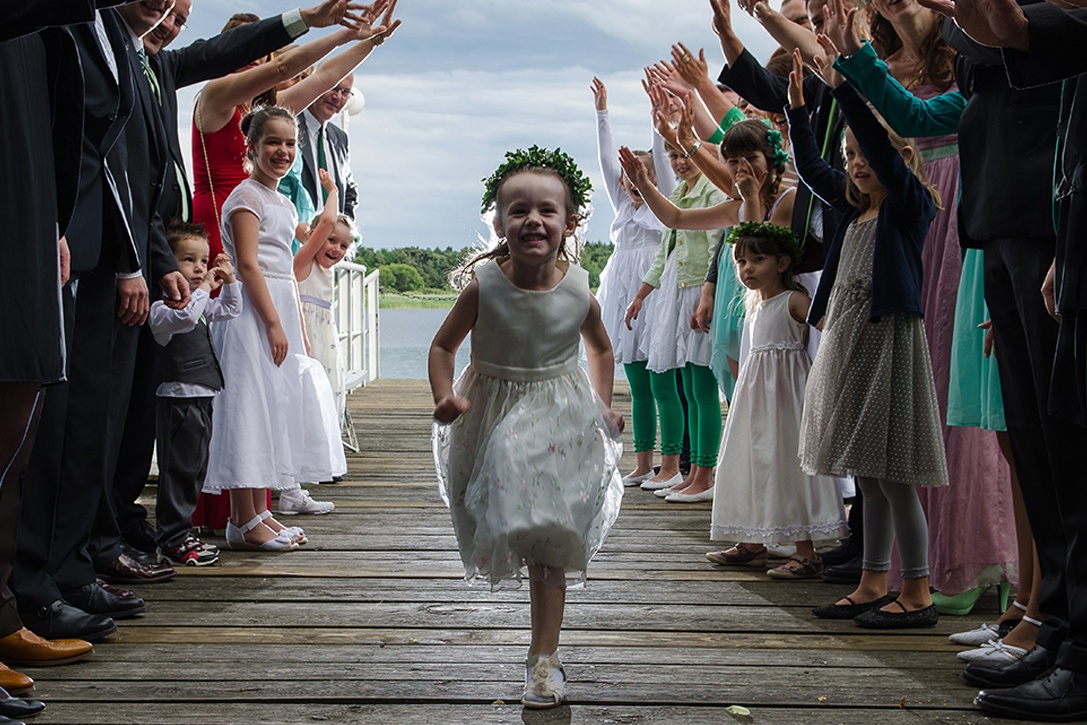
column 703, row 414
column 665, row 393
column 643, row 408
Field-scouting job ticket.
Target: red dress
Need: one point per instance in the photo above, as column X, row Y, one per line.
column 218, row 161
column 222, row 169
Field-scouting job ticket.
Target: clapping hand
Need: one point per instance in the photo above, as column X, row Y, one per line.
column 600, row 94
column 692, row 70
column 634, row 168
column 331, row 12
column 667, row 75
column 223, row 269
column 327, row 182
column 387, row 27
column 824, row 64
column 722, row 17
column 747, row 181
column 841, row 27
column 995, row 23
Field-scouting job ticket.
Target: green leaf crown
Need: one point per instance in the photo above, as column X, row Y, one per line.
column 784, row 236
column 537, row 158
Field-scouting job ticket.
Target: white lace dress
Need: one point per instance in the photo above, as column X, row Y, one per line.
column 315, row 293
column 272, row 426
column 762, row 495
column 529, row 472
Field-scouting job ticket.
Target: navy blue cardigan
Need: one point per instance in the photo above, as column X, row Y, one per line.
column 904, row 218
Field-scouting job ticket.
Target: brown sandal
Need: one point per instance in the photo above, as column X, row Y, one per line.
column 797, row 567
column 739, row 555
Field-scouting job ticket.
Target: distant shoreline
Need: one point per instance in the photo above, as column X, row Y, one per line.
column 399, row 301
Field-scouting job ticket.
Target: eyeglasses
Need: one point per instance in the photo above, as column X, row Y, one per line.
column 345, row 92
column 178, row 21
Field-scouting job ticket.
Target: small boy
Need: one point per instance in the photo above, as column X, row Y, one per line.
column 191, row 380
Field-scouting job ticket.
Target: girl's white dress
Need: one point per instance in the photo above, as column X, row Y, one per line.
column 529, row 472
column 315, row 293
column 762, row 494
column 273, row 426
column 635, row 235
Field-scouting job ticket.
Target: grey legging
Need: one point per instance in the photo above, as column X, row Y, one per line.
column 893, row 511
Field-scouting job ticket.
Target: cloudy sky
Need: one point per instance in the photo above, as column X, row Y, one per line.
column 462, row 81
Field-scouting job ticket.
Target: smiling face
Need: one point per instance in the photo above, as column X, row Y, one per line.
column 192, row 255
column 169, row 28
column 336, row 246
column 896, row 10
column 757, row 161
column 856, row 166
column 682, row 167
column 333, row 101
column 145, row 15
column 273, row 153
column 532, row 214
column 631, row 189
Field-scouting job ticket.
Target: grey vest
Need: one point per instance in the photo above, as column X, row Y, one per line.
column 190, row 358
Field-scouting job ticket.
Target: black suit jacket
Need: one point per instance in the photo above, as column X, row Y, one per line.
column 338, row 156
column 202, row 61
column 99, row 230
column 139, row 163
column 1006, row 148
column 23, row 17
column 770, row 93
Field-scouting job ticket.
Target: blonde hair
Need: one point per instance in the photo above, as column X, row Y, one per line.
column 914, row 163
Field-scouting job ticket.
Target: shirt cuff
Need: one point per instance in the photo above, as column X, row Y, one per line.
column 293, row 23
column 128, row 275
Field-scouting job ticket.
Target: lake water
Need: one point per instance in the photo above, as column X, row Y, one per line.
column 405, row 342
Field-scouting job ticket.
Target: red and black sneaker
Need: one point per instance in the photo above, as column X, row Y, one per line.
column 191, row 552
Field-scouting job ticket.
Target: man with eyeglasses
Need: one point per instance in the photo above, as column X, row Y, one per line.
column 162, row 72
column 324, row 145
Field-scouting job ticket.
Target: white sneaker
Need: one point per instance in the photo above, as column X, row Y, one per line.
column 298, row 501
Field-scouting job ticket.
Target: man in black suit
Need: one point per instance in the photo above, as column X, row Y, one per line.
column 324, row 145
column 1043, row 45
column 41, row 102
column 66, row 477
column 167, row 71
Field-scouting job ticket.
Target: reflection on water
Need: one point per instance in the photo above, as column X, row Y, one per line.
column 405, row 341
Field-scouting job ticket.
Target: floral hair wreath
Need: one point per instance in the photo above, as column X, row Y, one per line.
column 538, row 158
column 775, row 139
column 765, row 230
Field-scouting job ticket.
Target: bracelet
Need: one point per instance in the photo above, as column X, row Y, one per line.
column 694, row 147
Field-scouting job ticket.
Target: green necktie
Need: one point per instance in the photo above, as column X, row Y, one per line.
column 150, row 73
column 322, row 162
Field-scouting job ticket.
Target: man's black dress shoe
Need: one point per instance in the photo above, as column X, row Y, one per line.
column 4, row 720
column 143, row 557
column 140, row 537
column 60, row 620
column 845, row 552
column 847, row 573
column 100, row 598
column 1030, row 666
column 1059, row 695
column 18, row 707
column 126, row 570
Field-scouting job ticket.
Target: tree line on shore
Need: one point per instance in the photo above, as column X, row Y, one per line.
column 414, row 269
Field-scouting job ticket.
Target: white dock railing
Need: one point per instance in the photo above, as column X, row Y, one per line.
column 356, row 313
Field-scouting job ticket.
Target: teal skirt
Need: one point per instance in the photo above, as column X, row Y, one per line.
column 973, row 398
column 727, row 327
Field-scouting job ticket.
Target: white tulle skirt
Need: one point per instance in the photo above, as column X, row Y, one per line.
column 619, row 283
column 672, row 342
column 272, row 426
column 530, row 475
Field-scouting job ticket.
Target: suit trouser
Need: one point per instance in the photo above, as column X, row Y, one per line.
column 1048, row 450
column 65, row 478
column 183, row 430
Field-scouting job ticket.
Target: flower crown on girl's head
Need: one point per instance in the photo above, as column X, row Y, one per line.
column 775, row 139
column 765, row 230
column 537, row 158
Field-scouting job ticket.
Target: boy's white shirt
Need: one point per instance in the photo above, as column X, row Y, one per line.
column 165, row 322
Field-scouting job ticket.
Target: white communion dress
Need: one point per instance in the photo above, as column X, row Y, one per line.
column 530, row 470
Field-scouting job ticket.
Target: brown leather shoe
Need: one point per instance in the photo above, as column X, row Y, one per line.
column 16, row 683
column 28, row 649
column 126, row 570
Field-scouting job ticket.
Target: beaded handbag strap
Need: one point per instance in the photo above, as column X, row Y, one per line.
column 207, row 165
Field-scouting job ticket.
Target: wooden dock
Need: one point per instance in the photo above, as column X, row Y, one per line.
column 372, row 623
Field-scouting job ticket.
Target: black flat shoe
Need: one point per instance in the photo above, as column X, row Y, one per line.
column 879, row 619
column 1059, row 695
column 19, row 708
column 851, row 610
column 844, row 553
column 1030, row 666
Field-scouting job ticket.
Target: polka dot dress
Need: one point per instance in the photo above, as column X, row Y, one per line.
column 870, row 407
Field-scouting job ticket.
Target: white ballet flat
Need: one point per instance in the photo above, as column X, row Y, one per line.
column 650, row 485
column 993, row 653
column 706, row 495
column 976, row 637
column 631, row 481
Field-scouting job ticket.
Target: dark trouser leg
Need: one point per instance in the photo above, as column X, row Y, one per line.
column 138, row 440
column 184, row 431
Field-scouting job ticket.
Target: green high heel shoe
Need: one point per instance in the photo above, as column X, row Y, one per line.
column 962, row 604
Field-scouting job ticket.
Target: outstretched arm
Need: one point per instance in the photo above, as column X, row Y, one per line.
column 824, row 180
column 670, row 215
column 303, row 259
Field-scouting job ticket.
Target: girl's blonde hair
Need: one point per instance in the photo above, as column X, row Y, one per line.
column 350, row 224
column 914, row 163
